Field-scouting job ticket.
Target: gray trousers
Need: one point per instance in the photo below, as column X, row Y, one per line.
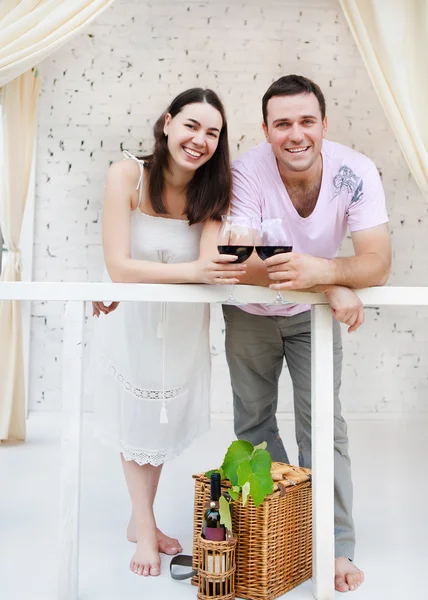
column 255, row 350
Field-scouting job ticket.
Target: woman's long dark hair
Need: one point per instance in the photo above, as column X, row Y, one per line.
column 209, row 191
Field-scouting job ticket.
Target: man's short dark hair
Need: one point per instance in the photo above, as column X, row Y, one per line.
column 291, row 85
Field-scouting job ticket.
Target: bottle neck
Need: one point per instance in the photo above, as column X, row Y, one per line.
column 215, row 490
column 215, row 493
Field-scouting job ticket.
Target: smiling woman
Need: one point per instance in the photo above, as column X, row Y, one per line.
column 150, row 378
column 192, row 134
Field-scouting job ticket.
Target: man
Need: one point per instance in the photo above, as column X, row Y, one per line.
column 319, row 188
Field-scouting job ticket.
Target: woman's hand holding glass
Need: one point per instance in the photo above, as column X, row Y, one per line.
column 222, row 269
column 236, row 239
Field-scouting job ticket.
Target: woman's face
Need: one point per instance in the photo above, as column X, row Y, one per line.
column 193, row 135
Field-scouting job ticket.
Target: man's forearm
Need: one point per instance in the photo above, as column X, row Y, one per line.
column 363, row 270
column 355, row 272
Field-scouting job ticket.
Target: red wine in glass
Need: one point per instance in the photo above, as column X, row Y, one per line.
column 236, row 237
column 242, row 252
column 265, row 252
column 273, row 239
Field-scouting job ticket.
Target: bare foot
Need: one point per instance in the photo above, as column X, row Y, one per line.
column 146, row 559
column 348, row 576
column 166, row 544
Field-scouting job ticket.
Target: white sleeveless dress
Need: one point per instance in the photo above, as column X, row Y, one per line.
column 151, row 362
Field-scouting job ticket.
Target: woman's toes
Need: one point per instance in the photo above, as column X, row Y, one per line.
column 138, row 568
column 155, row 570
column 145, row 571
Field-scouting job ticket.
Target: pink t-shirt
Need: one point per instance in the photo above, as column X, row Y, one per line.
column 351, row 195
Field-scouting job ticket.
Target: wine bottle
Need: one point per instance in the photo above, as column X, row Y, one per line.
column 214, row 531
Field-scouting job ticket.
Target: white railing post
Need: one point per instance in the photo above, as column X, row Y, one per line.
column 71, row 442
column 322, row 452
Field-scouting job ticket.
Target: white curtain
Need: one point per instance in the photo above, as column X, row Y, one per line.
column 30, row 30
column 392, row 36
column 19, row 105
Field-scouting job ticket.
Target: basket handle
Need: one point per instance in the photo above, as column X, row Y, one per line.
column 182, row 560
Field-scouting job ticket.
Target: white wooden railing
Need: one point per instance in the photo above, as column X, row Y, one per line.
column 76, row 294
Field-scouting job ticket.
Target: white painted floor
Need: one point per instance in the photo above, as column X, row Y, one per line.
column 391, row 498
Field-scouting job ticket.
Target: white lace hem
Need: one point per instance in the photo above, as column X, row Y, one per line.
column 143, row 457
column 136, row 391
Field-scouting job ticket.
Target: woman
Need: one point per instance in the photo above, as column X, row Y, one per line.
column 151, row 389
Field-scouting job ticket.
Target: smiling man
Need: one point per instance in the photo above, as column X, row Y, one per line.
column 320, row 189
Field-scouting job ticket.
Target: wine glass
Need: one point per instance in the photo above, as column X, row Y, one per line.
column 236, row 237
column 273, row 239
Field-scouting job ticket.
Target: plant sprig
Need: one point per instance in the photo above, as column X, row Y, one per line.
column 247, row 467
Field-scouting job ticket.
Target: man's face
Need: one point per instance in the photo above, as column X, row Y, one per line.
column 295, row 130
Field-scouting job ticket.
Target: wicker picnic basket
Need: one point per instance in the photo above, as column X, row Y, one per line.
column 274, row 548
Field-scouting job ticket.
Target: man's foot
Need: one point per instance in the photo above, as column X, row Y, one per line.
column 348, row 576
column 146, row 560
column 166, row 544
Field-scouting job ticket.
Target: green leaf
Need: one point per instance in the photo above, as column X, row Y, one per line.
column 256, row 471
column 220, row 470
column 225, row 518
column 244, row 472
column 238, row 451
column 209, row 473
column 234, row 492
column 245, row 492
column 261, row 446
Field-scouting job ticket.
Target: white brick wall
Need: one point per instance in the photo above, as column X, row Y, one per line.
column 103, row 91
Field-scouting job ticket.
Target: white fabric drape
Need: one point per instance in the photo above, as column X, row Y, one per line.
column 19, row 104
column 392, row 37
column 30, row 30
